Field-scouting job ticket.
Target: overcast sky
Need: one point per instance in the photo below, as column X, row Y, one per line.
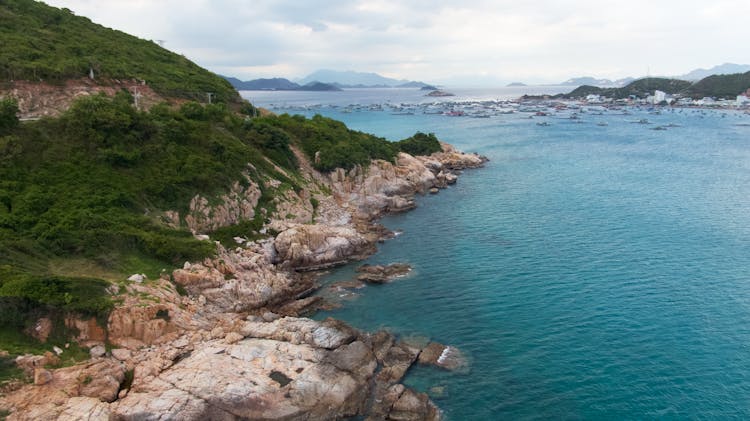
column 439, row 41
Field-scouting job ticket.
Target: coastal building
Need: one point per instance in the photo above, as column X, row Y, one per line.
column 657, row 98
column 742, row 100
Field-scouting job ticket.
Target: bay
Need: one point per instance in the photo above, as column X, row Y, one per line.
column 588, row 271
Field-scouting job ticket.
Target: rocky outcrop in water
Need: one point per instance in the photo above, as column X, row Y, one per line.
column 378, row 274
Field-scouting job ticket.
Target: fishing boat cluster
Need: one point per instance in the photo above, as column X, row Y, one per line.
column 545, row 111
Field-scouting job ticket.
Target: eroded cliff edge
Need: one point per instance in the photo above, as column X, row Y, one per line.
column 235, row 347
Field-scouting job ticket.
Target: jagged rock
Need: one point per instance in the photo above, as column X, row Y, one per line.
column 28, row 363
column 300, row 307
column 121, row 354
column 89, row 331
column 328, row 334
column 396, row 362
column 86, row 409
column 253, row 379
column 236, row 206
column 381, row 342
column 51, row 396
column 42, row 376
column 355, row 358
column 378, row 274
column 440, row 355
column 97, row 351
column 233, row 337
column 318, row 246
column 240, row 280
column 269, row 316
column 42, row 329
column 101, row 379
column 137, row 277
column 413, row 406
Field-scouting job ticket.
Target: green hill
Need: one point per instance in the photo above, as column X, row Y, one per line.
column 40, row 42
column 721, row 86
column 640, row 88
column 718, row 86
column 83, row 196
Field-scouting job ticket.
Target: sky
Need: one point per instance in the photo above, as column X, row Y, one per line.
column 467, row 42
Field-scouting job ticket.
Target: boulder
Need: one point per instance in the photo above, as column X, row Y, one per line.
column 318, row 246
column 42, row 376
column 97, row 351
column 137, row 277
column 255, row 379
column 437, row 354
column 328, row 334
column 396, row 363
column 121, row 354
column 377, row 274
column 413, row 406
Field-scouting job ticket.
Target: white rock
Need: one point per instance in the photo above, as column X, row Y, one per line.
column 97, row 351
column 57, row 350
column 138, row 278
column 121, row 354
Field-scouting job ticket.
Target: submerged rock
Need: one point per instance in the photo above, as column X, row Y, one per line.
column 377, row 274
column 437, row 354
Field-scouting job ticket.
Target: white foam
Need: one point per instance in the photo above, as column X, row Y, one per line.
column 443, row 355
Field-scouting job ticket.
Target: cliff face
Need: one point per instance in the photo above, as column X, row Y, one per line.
column 232, row 348
column 40, row 99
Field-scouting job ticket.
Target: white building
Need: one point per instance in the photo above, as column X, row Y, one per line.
column 742, row 100
column 659, row 96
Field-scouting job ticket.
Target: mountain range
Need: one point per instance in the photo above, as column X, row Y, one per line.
column 279, row 84
column 694, row 75
column 722, row 69
column 352, row 79
column 325, row 80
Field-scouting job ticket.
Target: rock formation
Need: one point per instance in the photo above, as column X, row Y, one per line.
column 225, row 351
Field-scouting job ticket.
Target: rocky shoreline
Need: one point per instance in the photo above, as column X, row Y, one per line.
column 235, row 346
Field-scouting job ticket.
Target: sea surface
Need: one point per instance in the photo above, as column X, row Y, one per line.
column 589, row 271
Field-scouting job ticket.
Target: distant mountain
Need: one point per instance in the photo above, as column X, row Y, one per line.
column 590, row 81
column 318, row 86
column 278, row 84
column 722, row 69
column 412, row 84
column 351, row 79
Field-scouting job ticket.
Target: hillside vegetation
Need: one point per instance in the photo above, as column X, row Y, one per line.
column 88, row 187
column 83, row 196
column 40, row 42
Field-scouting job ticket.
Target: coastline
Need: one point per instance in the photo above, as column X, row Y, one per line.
column 237, row 346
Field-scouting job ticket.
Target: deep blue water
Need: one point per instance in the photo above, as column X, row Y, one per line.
column 587, row 272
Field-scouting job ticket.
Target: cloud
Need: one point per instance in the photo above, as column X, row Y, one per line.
column 544, row 40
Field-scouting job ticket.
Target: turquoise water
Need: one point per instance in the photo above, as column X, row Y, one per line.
column 587, row 272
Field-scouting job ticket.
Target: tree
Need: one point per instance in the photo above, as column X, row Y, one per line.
column 8, row 115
